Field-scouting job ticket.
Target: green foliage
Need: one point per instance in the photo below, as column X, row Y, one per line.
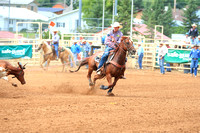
column 155, row 14
column 190, row 15
column 124, row 15
column 178, row 30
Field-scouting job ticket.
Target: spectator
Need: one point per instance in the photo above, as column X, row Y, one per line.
column 194, row 40
column 194, row 55
column 76, row 49
column 87, row 48
column 193, row 32
column 140, row 55
column 186, row 40
column 168, row 64
column 162, row 51
column 198, row 42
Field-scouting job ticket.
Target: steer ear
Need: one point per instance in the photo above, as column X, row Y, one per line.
column 20, row 65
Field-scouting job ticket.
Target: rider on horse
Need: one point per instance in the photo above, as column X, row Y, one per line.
column 112, row 40
column 55, row 39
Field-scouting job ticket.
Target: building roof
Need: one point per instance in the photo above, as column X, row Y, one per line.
column 142, row 29
column 47, row 14
column 59, row 5
column 64, row 14
column 49, row 9
column 8, row 35
column 21, row 13
column 17, row 2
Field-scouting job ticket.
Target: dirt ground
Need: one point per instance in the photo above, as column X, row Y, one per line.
column 52, row 101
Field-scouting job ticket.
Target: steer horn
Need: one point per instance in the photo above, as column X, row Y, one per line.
column 24, row 65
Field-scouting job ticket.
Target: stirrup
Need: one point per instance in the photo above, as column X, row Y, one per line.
column 99, row 71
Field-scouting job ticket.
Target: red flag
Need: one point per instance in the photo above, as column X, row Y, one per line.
column 52, row 24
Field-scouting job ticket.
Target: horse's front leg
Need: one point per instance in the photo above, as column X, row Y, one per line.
column 111, row 86
column 48, row 61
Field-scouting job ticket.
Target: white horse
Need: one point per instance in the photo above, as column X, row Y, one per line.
column 49, row 55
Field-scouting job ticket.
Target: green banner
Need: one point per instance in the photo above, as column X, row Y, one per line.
column 177, row 56
column 15, row 51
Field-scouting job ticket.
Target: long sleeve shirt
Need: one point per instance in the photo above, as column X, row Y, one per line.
column 117, row 36
column 140, row 50
column 75, row 48
column 195, row 53
column 55, row 38
column 193, row 32
column 86, row 47
column 162, row 51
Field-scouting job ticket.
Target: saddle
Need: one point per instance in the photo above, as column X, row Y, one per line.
column 60, row 49
column 110, row 57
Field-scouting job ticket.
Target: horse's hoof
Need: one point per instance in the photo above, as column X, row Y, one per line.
column 13, row 84
column 104, row 87
column 91, row 84
column 110, row 94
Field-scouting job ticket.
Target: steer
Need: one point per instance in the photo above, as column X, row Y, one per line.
column 7, row 69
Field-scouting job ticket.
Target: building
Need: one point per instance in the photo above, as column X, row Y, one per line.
column 68, row 22
column 10, row 16
column 29, row 4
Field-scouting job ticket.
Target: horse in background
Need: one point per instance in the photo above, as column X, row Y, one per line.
column 49, row 54
column 114, row 68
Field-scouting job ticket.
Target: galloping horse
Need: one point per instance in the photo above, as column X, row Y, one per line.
column 49, row 55
column 114, row 68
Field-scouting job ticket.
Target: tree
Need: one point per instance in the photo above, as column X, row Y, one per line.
column 157, row 15
column 124, row 15
column 189, row 15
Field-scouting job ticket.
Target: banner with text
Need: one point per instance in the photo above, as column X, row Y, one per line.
column 15, row 51
column 177, row 56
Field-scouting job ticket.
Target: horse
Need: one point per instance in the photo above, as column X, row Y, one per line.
column 114, row 68
column 49, row 55
column 7, row 69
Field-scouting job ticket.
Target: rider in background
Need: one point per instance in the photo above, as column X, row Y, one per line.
column 55, row 39
column 112, row 40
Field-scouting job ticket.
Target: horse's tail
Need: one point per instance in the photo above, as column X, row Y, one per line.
column 83, row 62
column 70, row 54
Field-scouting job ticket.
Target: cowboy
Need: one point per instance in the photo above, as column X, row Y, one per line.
column 55, row 39
column 140, row 55
column 162, row 51
column 112, row 40
column 76, row 49
column 87, row 49
column 194, row 55
column 193, row 32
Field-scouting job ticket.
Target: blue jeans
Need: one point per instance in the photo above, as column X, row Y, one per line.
column 168, row 69
column 75, row 59
column 194, row 66
column 140, row 60
column 56, row 49
column 161, row 64
column 104, row 56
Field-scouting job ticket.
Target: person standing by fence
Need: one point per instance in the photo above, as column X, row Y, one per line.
column 162, row 51
column 87, row 48
column 140, row 55
column 194, row 55
column 76, row 49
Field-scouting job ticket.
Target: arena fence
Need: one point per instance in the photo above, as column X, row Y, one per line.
column 150, row 60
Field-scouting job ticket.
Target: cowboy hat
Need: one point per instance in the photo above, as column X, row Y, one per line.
column 194, row 25
column 198, row 36
column 116, row 24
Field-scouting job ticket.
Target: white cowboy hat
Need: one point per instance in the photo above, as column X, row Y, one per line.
column 116, row 24
column 194, row 25
column 198, row 36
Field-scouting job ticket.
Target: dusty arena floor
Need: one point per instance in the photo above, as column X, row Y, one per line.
column 146, row 101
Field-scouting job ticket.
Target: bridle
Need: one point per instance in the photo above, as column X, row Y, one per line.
column 128, row 48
